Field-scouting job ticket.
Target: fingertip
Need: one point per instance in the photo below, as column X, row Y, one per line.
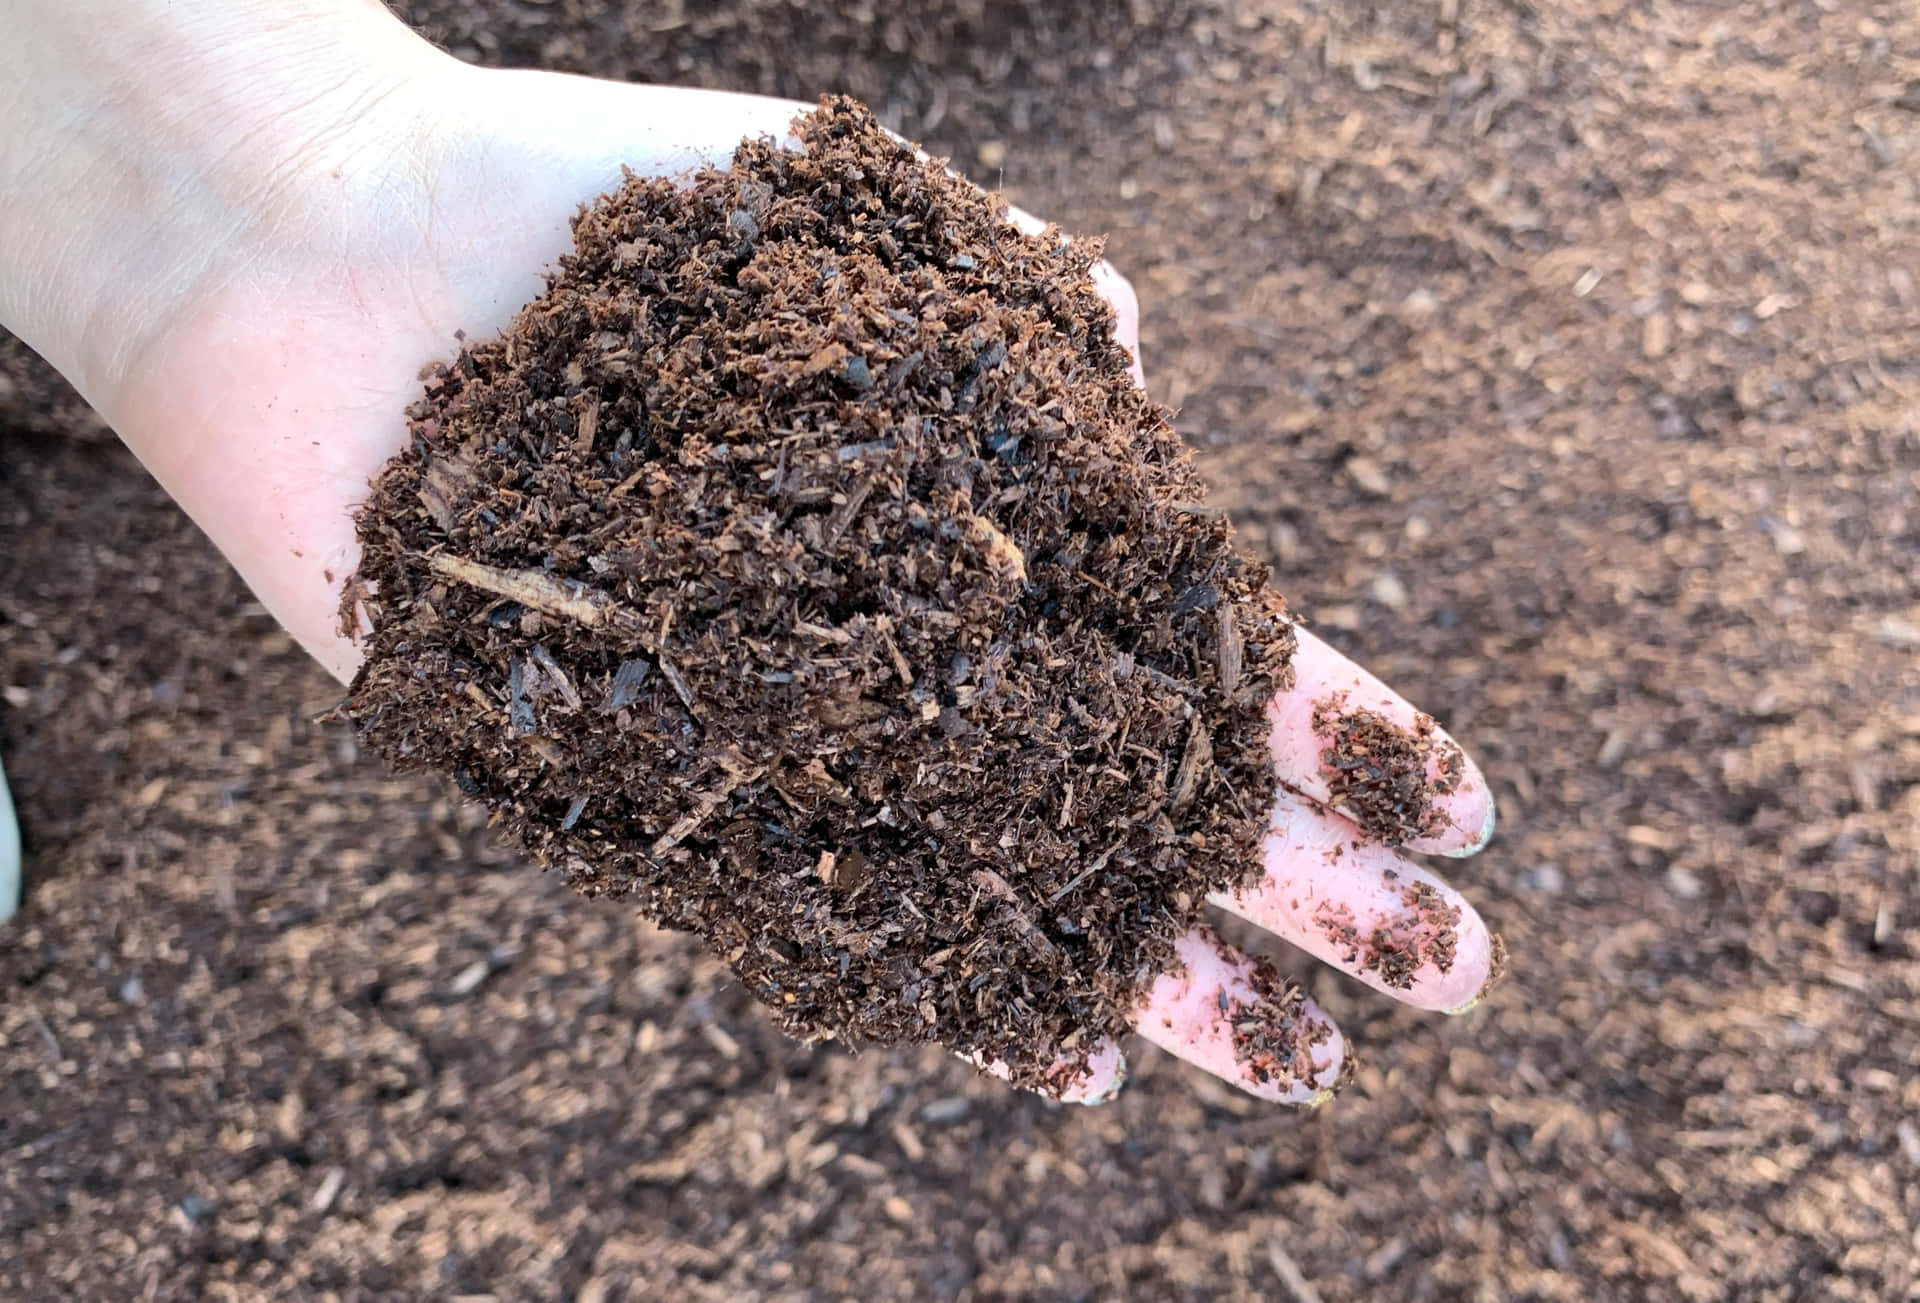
column 1342, row 738
column 1239, row 1019
column 1496, row 970
column 1458, row 986
column 1466, row 815
column 1366, row 910
column 1489, row 820
column 1105, row 1077
column 1338, row 1070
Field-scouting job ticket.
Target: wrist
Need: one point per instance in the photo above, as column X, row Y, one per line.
column 149, row 146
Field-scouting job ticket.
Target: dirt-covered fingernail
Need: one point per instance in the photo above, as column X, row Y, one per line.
column 1496, row 971
column 1392, row 781
column 1481, row 838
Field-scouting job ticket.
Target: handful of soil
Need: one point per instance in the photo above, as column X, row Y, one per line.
column 805, row 565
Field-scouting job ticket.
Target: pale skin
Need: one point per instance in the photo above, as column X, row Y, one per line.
column 242, row 229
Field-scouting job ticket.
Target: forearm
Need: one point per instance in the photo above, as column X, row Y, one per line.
column 143, row 143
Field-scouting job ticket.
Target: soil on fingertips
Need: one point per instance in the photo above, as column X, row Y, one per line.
column 1386, row 778
column 1424, row 934
column 1273, row 1035
column 806, row 566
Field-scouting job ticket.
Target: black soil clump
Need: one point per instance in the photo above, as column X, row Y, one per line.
column 805, row 565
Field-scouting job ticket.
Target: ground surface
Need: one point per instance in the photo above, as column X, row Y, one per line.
column 1561, row 356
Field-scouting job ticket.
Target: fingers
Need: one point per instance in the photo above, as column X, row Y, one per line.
column 1366, row 910
column 1098, row 1082
column 1240, row 1020
column 1345, row 740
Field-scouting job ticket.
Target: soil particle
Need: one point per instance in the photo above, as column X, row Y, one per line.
column 1385, row 777
column 958, row 710
column 1497, row 972
column 1273, row 1038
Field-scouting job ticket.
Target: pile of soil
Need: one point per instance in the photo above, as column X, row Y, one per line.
column 806, row 565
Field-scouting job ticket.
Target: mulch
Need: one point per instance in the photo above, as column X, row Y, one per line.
column 1559, row 358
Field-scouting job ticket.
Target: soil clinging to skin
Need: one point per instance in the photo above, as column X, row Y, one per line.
column 1396, row 949
column 1273, row 1036
column 805, row 565
column 1384, row 777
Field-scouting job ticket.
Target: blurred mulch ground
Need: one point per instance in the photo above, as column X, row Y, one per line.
column 1563, row 358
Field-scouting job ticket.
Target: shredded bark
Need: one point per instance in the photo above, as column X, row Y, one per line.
column 805, row 566
column 1273, row 1036
column 1396, row 948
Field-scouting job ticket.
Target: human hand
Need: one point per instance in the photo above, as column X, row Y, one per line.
column 280, row 214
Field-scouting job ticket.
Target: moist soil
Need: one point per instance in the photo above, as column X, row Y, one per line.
column 1559, row 359
column 807, row 566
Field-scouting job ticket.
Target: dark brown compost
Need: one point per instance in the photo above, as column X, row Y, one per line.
column 806, row 565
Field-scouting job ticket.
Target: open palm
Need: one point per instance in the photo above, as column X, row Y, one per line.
column 268, row 395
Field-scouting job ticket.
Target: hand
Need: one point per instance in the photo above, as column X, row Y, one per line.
column 243, row 229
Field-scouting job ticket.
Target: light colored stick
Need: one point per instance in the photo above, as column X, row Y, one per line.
column 562, row 598
column 1290, row 1275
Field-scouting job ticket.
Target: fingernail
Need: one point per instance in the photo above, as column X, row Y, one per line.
column 1479, row 843
column 1349, row 1067
column 9, row 854
column 1496, row 969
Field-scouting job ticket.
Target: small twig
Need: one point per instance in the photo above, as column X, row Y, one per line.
column 838, row 637
column 900, row 666
column 1231, row 650
column 46, row 1034
column 678, row 681
column 562, row 598
column 1167, row 680
column 34, row 1148
column 1000, row 889
column 1194, row 762
column 1290, row 1275
column 707, row 803
column 1003, row 557
column 843, row 515
column 1099, row 863
column 544, row 659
